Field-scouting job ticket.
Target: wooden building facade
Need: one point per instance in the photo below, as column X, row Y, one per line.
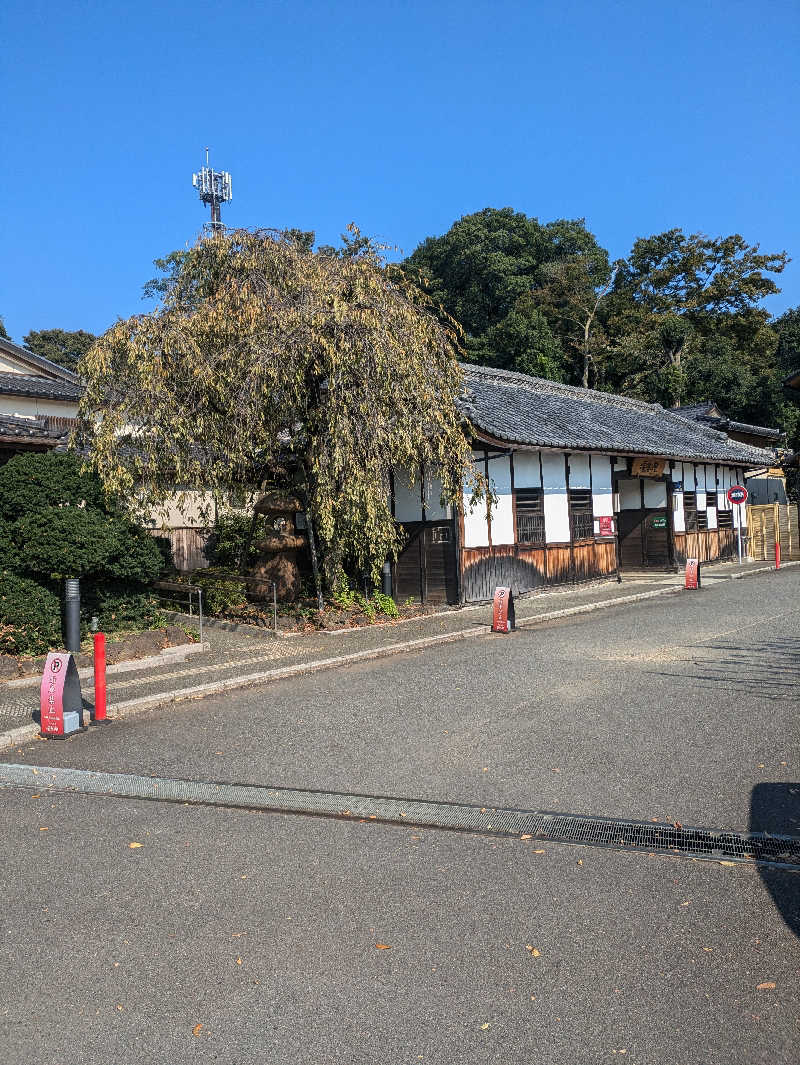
column 583, row 485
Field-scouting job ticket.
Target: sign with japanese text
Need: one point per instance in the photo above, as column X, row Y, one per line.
column 648, row 467
column 605, row 526
column 692, row 573
column 660, row 521
column 60, row 694
column 503, row 610
column 737, row 493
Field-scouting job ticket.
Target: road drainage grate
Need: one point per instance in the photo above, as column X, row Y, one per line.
column 698, row 843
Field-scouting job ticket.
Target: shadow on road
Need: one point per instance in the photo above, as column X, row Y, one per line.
column 767, row 669
column 775, row 808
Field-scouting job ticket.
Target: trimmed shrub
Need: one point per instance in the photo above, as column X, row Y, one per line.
column 33, row 612
column 118, row 606
column 33, row 482
column 227, row 540
column 9, row 556
column 73, row 542
column 222, row 590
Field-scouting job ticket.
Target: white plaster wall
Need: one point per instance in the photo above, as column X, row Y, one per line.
column 29, row 407
column 433, row 498
column 556, row 507
column 579, row 476
column 8, row 364
column 502, row 513
column 711, row 517
column 476, row 524
column 526, row 470
column 688, row 477
column 700, row 479
column 711, row 479
column 630, row 494
column 602, row 498
column 655, row 493
column 407, row 498
column 678, row 517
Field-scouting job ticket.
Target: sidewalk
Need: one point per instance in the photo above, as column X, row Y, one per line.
column 241, row 658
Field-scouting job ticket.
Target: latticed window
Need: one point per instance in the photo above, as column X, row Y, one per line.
column 530, row 515
column 580, row 512
column 725, row 519
column 690, row 511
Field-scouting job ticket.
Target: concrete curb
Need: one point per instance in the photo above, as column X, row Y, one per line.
column 151, row 702
column 165, row 657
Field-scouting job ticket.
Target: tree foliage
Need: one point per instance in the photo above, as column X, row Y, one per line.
column 263, row 353
column 59, row 346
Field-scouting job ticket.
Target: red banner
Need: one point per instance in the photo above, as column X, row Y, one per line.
column 692, row 573
column 503, row 610
column 605, row 526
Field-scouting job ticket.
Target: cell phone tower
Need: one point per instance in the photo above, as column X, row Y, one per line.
column 214, row 187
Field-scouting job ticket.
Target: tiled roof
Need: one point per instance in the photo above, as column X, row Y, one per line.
column 28, row 358
column 519, row 409
column 22, row 384
column 32, row 429
column 699, row 413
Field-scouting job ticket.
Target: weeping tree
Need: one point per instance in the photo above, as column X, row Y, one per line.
column 264, row 356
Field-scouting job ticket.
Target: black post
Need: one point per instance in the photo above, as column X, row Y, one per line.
column 386, row 578
column 72, row 615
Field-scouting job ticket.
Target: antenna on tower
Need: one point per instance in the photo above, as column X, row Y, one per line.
column 214, row 187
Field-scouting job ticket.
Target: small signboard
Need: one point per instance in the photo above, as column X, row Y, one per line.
column 660, row 521
column 605, row 526
column 737, row 493
column 60, row 700
column 692, row 573
column 648, row 467
column 503, row 610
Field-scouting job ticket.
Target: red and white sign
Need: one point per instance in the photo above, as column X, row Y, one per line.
column 60, row 694
column 503, row 610
column 692, row 573
column 605, row 526
column 737, row 493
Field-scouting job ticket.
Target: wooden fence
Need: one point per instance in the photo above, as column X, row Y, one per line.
column 187, row 547
column 773, row 523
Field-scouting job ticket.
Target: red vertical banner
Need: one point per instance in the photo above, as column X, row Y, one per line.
column 503, row 619
column 692, row 573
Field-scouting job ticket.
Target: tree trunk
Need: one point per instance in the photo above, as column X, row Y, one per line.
column 312, row 542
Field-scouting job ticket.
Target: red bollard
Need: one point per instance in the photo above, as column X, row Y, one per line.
column 777, row 555
column 99, row 715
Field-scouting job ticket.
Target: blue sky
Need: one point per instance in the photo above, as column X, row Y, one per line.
column 399, row 116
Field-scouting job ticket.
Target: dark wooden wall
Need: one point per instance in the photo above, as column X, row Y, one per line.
column 708, row 545
column 525, row 569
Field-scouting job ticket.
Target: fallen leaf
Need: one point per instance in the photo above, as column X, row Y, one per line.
column 383, row 946
column 485, row 1027
column 35, row 796
column 196, row 1030
column 238, row 961
column 766, row 986
column 526, row 837
column 44, row 830
column 539, row 852
column 708, row 950
column 133, row 846
column 580, row 861
column 728, row 863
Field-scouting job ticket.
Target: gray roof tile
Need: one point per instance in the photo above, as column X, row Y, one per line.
column 527, row 410
column 20, row 384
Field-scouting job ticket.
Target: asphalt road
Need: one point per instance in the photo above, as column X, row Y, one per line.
column 262, row 928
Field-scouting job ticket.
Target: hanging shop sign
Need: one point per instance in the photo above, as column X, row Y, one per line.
column 648, row 467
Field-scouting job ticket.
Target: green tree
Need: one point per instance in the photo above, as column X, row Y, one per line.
column 787, row 327
column 3, row 330
column 489, row 271
column 60, row 346
column 264, row 355
column 674, row 298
